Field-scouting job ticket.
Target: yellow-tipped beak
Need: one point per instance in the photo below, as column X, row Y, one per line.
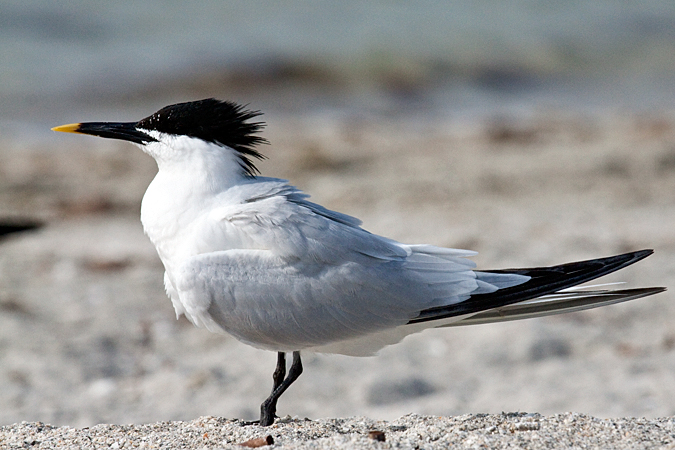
column 69, row 128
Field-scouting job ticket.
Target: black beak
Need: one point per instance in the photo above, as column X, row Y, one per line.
column 125, row 131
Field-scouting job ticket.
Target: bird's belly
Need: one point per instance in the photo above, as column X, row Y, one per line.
column 282, row 307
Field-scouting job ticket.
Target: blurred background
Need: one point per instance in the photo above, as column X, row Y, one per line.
column 535, row 132
column 378, row 57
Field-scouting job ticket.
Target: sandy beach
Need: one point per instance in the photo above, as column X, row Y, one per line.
column 515, row 430
column 87, row 335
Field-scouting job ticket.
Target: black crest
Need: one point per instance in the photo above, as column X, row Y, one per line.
column 220, row 122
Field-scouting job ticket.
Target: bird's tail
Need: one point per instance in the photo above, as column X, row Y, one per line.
column 548, row 291
column 562, row 302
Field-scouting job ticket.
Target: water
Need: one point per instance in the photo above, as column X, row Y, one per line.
column 78, row 59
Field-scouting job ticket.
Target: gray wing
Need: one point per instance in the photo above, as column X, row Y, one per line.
column 310, row 276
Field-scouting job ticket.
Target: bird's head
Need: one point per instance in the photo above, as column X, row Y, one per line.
column 184, row 127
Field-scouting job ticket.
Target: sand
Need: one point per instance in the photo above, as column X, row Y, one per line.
column 515, row 430
column 87, row 335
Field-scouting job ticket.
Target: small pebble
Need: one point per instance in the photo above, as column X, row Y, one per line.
column 377, row 435
column 258, row 442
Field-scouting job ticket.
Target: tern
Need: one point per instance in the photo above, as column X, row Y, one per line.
column 252, row 257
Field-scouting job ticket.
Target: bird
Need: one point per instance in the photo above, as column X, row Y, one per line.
column 253, row 257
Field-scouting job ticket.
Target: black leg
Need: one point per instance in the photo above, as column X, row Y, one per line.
column 280, row 371
column 268, row 408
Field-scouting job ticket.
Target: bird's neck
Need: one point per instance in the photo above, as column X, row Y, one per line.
column 196, row 165
column 183, row 191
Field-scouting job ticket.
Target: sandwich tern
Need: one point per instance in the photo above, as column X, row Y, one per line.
column 253, row 257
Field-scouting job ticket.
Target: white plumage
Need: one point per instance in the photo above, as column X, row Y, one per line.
column 254, row 258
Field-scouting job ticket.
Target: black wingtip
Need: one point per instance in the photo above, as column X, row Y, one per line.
column 610, row 264
column 543, row 281
column 571, row 301
column 640, row 254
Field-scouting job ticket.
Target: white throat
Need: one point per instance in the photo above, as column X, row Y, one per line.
column 192, row 172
